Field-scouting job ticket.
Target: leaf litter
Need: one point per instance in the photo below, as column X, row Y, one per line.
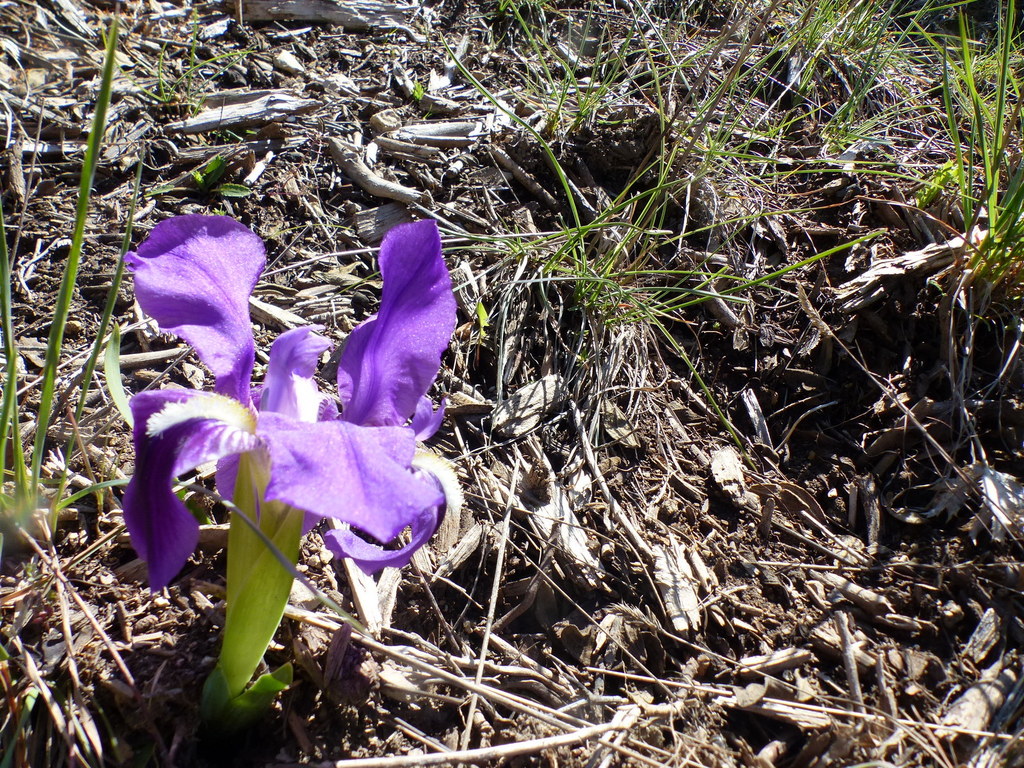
column 716, row 533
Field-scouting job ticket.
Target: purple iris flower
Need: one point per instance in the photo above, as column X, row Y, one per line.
column 194, row 276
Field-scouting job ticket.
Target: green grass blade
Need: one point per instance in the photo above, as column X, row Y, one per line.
column 9, row 410
column 64, row 296
column 108, row 307
column 112, row 374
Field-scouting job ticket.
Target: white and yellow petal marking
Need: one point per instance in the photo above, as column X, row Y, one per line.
column 206, row 406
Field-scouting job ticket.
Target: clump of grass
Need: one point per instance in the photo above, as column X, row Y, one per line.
column 982, row 99
column 45, row 721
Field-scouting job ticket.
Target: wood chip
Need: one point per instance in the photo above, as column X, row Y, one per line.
column 243, row 109
column 754, row 698
column 262, row 312
column 465, row 548
column 984, row 637
column 870, row 287
column 618, row 426
column 727, row 472
column 443, row 133
column 372, row 224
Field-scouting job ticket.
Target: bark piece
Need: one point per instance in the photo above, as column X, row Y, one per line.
column 869, row 288
column 442, row 133
column 351, row 14
column 984, row 637
column 243, row 109
column 372, row 224
column 872, row 602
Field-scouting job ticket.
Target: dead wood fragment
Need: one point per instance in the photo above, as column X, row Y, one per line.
column 727, row 472
column 869, row 288
column 792, row 498
column 618, row 426
column 267, row 313
column 349, row 159
column 397, row 147
column 870, row 601
column 520, row 175
column 867, row 494
column 677, row 586
column 372, row 224
column 467, row 545
column 722, row 310
column 355, row 15
column 556, row 522
column 1003, row 502
column 616, row 512
column 749, row 399
column 442, row 133
column 842, row 623
column 429, row 103
column 976, row 706
column 243, row 109
column 775, row 662
column 73, row 15
column 288, row 62
column 754, row 698
column 364, row 595
column 826, row 640
column 984, row 637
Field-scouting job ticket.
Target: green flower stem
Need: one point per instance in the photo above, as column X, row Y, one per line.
column 258, row 586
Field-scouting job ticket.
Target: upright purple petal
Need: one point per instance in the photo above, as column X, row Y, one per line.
column 163, row 531
column 390, row 361
column 194, row 275
column 359, row 475
column 426, row 421
column 289, row 388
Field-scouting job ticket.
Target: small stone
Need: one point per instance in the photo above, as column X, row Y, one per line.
column 386, row 120
column 288, row 62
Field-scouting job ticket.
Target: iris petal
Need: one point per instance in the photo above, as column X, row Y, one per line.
column 358, row 475
column 371, row 557
column 163, row 531
column 194, row 275
column 390, row 361
column 289, row 388
column 426, row 421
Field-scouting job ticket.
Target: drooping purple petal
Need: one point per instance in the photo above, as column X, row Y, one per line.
column 390, row 361
column 371, row 557
column 162, row 530
column 289, row 388
column 359, row 475
column 194, row 275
